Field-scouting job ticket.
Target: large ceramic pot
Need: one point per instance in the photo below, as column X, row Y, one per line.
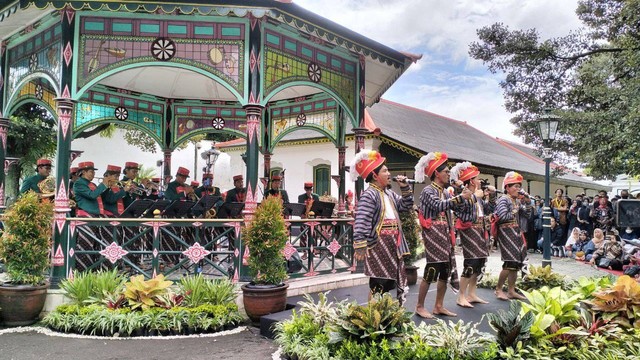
column 412, row 274
column 20, row 305
column 262, row 300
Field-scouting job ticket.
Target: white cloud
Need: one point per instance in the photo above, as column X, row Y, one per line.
column 446, row 81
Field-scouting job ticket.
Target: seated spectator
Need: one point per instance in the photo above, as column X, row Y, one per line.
column 556, row 238
column 573, row 238
column 577, row 249
column 610, row 255
column 595, row 244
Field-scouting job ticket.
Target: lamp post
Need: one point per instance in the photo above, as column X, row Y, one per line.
column 211, row 156
column 547, row 126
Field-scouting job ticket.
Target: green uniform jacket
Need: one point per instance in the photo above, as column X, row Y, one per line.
column 232, row 196
column 215, row 192
column 110, row 199
column 282, row 193
column 87, row 199
column 31, row 183
column 303, row 197
column 172, row 193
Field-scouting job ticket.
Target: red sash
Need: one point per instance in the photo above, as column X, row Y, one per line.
column 93, row 186
column 119, row 202
column 494, row 225
column 460, row 225
column 425, row 223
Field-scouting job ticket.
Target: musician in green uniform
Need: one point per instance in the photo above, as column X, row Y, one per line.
column 237, row 194
column 130, row 174
column 276, row 182
column 43, row 170
column 177, row 189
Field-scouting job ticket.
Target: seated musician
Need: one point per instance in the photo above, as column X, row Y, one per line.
column 43, row 170
column 276, row 182
column 207, row 188
column 130, row 173
column 88, row 199
column 73, row 176
column 113, row 198
column 154, row 185
column 308, row 195
column 178, row 189
column 238, row 193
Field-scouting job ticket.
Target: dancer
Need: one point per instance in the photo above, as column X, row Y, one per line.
column 377, row 234
column 437, row 230
column 510, row 212
column 472, row 224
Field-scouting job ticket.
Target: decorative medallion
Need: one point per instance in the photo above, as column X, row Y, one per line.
column 314, row 72
column 236, row 252
column 301, row 119
column 334, row 247
column 155, row 253
column 196, row 224
column 163, row 49
column 33, row 62
column 217, row 123
column 71, row 252
column 39, row 92
column 64, row 121
column 121, row 113
column 68, row 53
column 288, row 251
column 196, row 252
column 113, row 252
column 114, row 223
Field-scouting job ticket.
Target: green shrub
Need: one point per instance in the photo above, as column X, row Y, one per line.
column 511, row 326
column 93, row 287
column 199, row 290
column 26, row 240
column 540, row 276
column 460, row 340
column 555, row 312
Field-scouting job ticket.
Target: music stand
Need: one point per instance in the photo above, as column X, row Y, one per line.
column 322, row 209
column 136, row 208
column 205, row 204
column 294, row 209
column 230, row 210
column 178, row 209
column 157, row 205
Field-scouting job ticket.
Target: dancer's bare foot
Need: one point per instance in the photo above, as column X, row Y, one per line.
column 423, row 313
column 462, row 301
column 515, row 295
column 443, row 311
column 501, row 295
column 476, row 300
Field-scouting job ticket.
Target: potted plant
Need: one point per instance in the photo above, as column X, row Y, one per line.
column 411, row 231
column 24, row 248
column 266, row 237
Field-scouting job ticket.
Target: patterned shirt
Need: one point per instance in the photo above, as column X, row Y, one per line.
column 475, row 209
column 369, row 214
column 507, row 208
column 434, row 201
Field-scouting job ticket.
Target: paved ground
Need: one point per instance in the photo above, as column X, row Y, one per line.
column 243, row 344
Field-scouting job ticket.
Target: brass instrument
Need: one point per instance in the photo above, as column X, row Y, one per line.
column 193, row 196
column 307, row 212
column 211, row 213
column 47, row 187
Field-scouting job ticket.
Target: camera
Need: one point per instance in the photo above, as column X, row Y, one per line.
column 484, row 184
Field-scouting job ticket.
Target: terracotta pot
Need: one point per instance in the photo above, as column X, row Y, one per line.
column 21, row 305
column 412, row 274
column 262, row 300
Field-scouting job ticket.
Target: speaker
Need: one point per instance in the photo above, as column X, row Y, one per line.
column 628, row 214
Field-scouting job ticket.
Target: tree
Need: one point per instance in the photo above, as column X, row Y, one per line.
column 31, row 135
column 591, row 76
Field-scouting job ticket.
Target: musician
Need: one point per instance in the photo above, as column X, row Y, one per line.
column 276, row 182
column 437, row 231
column 113, row 198
column 43, row 170
column 238, row 193
column 154, row 185
column 308, row 195
column 88, row 197
column 130, row 173
column 73, row 176
column 177, row 189
column 207, row 187
column 194, row 186
column 472, row 224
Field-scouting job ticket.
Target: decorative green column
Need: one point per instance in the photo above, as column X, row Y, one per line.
column 61, row 254
column 4, row 128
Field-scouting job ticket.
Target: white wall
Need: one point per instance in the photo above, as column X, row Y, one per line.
column 116, row 151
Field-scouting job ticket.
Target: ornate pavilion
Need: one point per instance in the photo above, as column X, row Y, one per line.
column 257, row 69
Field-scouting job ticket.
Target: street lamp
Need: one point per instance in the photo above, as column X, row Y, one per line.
column 211, row 156
column 547, row 126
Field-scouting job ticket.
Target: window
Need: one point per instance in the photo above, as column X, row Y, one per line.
column 322, row 179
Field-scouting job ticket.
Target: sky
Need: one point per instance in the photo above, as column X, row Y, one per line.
column 446, row 81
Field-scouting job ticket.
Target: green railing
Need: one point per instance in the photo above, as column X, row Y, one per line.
column 213, row 247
